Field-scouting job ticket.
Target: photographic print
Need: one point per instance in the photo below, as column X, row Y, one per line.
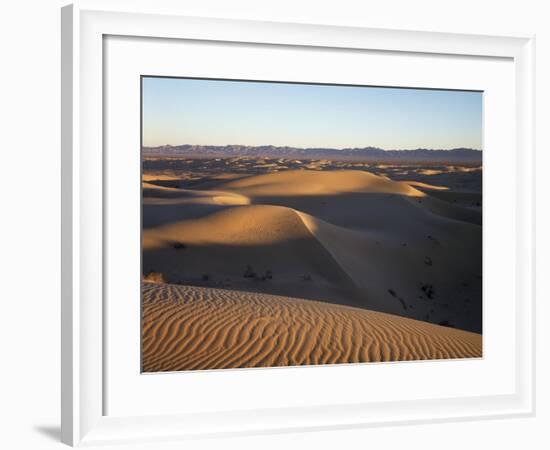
column 295, row 224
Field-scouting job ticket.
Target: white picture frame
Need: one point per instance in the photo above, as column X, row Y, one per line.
column 84, row 418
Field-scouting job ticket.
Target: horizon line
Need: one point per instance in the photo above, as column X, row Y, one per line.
column 316, row 148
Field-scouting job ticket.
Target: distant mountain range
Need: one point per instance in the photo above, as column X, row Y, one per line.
column 367, row 154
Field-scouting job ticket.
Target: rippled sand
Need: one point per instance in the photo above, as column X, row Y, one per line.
column 190, row 328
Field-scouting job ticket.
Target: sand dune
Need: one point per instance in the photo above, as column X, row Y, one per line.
column 188, row 328
column 222, row 245
column 308, row 182
column 155, row 194
column 346, row 237
column 389, row 276
column 250, row 225
column 362, row 194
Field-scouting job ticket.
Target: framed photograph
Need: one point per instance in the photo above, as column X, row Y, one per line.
column 275, row 227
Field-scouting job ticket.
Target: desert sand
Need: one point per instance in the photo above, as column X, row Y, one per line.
column 194, row 328
column 380, row 255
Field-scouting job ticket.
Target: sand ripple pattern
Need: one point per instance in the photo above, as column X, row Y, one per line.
column 194, row 328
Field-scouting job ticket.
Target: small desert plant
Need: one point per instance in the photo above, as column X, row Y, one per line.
column 178, row 245
column 428, row 289
column 205, row 277
column 154, row 277
column 249, row 272
column 394, row 294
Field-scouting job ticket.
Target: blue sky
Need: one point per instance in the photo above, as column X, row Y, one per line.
column 215, row 112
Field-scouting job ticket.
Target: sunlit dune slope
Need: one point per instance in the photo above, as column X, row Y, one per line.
column 223, row 244
column 312, row 182
column 187, row 328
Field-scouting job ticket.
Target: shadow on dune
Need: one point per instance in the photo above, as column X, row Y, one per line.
column 204, row 182
column 456, row 181
column 155, row 215
column 355, row 210
column 375, row 273
column 469, row 199
column 372, row 210
column 298, row 268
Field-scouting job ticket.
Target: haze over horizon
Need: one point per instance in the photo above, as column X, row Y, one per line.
column 181, row 111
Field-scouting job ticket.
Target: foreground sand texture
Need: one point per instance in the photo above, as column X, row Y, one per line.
column 194, row 328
